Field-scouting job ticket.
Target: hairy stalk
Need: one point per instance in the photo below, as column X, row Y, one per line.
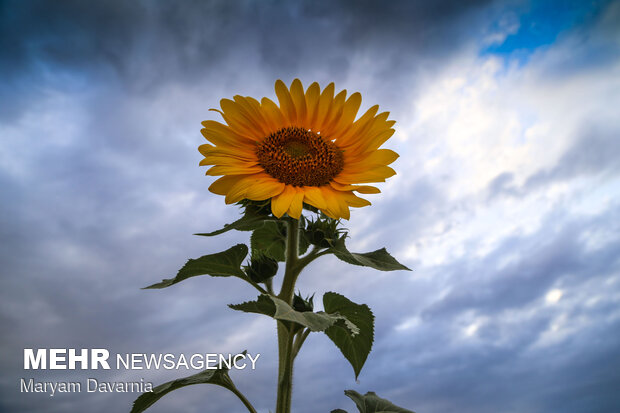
column 285, row 333
column 292, row 268
column 285, row 376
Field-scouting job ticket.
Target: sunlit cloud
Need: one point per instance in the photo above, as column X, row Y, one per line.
column 553, row 296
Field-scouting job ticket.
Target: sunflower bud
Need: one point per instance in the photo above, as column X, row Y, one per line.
column 301, row 305
column 322, row 233
column 261, row 268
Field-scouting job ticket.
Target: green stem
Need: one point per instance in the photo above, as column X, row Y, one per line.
column 312, row 255
column 288, row 345
column 285, row 374
column 269, row 285
column 299, row 341
column 285, row 334
column 292, row 270
column 245, row 401
column 255, row 285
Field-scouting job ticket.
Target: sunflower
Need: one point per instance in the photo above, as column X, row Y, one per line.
column 309, row 149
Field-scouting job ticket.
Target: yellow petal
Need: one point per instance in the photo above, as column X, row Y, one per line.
column 325, row 102
column 370, row 129
column 237, row 192
column 281, row 203
column 314, row 197
column 260, row 112
column 234, row 170
column 223, row 136
column 379, row 140
column 330, row 214
column 239, row 121
column 335, row 204
column 223, row 185
column 372, row 136
column 370, row 159
column 207, row 149
column 296, row 204
column 378, row 174
column 286, row 102
column 256, row 187
column 362, row 189
column 353, row 134
column 335, row 112
column 264, row 189
column 354, row 200
column 204, row 148
column 273, row 115
column 252, row 114
column 299, row 100
column 312, row 99
column 228, row 161
column 351, row 107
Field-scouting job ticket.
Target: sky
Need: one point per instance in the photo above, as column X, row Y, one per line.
column 506, row 202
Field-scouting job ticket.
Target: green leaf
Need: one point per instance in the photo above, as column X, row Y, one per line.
column 270, row 239
column 218, row 377
column 371, row 403
column 280, row 310
column 354, row 348
column 379, row 259
column 250, row 220
column 222, row 264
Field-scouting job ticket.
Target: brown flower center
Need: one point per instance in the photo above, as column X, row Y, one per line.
column 299, row 157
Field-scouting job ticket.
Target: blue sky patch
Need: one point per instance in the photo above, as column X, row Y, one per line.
column 540, row 24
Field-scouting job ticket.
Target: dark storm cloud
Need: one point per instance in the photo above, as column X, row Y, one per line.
column 420, row 25
column 146, row 44
column 188, row 34
column 486, row 377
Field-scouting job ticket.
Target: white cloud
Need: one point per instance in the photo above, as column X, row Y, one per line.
column 479, row 118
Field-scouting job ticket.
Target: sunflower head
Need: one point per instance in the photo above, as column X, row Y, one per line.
column 310, row 149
